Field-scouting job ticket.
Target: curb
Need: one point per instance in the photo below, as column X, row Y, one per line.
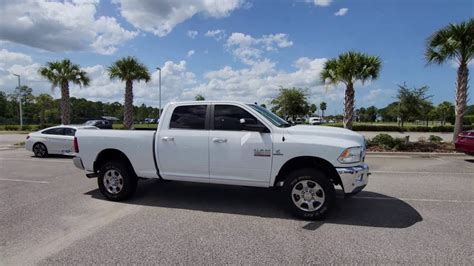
column 423, row 154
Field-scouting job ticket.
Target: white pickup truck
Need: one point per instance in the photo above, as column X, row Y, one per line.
column 228, row 143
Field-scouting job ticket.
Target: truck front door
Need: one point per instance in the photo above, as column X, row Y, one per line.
column 238, row 155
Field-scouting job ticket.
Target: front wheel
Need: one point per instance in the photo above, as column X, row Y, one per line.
column 40, row 150
column 116, row 181
column 309, row 193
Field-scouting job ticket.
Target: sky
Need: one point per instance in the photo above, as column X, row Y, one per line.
column 228, row 50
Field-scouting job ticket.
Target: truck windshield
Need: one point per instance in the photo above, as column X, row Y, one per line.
column 273, row 118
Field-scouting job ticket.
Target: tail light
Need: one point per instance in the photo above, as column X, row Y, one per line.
column 76, row 145
column 28, row 136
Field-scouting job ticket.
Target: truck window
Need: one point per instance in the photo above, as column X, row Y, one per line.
column 189, row 117
column 227, row 117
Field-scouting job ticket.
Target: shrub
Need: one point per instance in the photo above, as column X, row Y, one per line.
column 388, row 142
column 12, row 127
column 435, row 139
column 384, row 140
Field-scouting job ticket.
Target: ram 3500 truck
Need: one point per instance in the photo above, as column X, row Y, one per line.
column 228, row 143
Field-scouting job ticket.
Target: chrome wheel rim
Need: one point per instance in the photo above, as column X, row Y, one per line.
column 113, row 181
column 308, row 195
column 39, row 150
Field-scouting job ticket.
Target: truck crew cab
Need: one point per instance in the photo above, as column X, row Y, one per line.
column 229, row 143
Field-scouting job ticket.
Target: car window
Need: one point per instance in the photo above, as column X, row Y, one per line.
column 189, row 117
column 227, row 117
column 69, row 131
column 54, row 131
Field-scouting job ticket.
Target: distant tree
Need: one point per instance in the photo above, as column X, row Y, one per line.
column 323, row 107
column 445, row 112
column 44, row 102
column 312, row 109
column 454, row 42
column 59, row 74
column 199, row 97
column 390, row 112
column 128, row 70
column 291, row 102
column 348, row 68
column 263, row 105
column 411, row 103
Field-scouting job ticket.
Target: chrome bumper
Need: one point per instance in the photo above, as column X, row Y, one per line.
column 78, row 162
column 354, row 178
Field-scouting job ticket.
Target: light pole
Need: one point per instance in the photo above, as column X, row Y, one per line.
column 159, row 86
column 21, row 111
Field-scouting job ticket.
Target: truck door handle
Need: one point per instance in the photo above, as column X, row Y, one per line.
column 219, row 140
column 167, row 139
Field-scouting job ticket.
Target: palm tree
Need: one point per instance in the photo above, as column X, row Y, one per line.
column 60, row 73
column 454, row 42
column 348, row 68
column 128, row 70
column 323, row 107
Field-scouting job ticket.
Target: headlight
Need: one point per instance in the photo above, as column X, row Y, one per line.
column 351, row 155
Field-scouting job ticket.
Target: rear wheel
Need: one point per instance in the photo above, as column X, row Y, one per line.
column 309, row 193
column 116, row 181
column 40, row 150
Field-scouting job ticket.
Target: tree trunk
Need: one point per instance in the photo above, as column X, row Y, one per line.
column 349, row 106
column 128, row 106
column 461, row 97
column 65, row 104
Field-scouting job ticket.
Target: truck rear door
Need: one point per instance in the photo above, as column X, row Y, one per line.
column 183, row 144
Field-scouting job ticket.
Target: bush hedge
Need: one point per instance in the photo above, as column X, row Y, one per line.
column 382, row 127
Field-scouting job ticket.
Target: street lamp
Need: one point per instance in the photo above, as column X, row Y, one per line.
column 159, row 85
column 21, row 111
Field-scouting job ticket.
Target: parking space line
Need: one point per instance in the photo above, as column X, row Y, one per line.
column 410, row 199
column 34, row 160
column 418, row 172
column 24, row 181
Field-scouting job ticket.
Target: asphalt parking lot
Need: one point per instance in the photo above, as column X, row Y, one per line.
column 415, row 210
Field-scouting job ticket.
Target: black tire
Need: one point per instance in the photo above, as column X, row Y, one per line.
column 319, row 189
column 40, row 150
column 128, row 181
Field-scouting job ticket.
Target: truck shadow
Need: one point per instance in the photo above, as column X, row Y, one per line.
column 365, row 209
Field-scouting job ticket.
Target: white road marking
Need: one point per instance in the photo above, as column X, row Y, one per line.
column 388, row 156
column 36, row 160
column 419, row 172
column 410, row 199
column 24, row 181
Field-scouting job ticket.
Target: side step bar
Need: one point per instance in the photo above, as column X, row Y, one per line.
column 92, row 175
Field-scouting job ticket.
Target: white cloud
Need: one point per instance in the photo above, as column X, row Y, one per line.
column 258, row 82
column 192, row 33
column 320, row 2
column 160, row 17
column 341, row 12
column 216, row 34
column 249, row 50
column 12, row 57
column 261, row 82
column 61, row 26
column 190, row 53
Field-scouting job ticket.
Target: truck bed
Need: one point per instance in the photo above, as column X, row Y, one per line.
column 137, row 145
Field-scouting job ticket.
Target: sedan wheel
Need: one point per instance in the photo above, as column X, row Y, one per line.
column 40, row 150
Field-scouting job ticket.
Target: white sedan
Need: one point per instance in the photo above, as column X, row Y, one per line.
column 54, row 140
